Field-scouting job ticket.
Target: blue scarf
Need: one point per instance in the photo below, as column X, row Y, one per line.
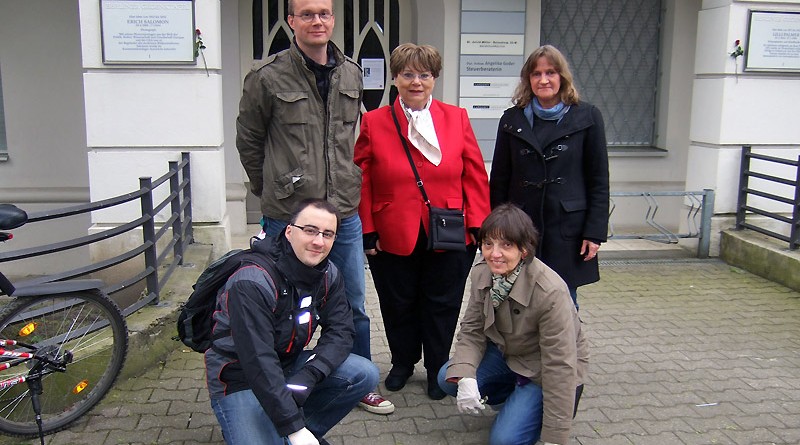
column 549, row 114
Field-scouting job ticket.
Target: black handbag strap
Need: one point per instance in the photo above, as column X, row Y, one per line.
column 410, row 159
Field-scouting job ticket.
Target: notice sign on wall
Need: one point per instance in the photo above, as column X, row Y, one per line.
column 773, row 42
column 147, row 31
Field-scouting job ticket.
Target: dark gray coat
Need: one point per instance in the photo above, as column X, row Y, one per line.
column 562, row 183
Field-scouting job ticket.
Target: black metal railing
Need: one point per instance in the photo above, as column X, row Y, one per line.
column 698, row 218
column 746, row 189
column 179, row 221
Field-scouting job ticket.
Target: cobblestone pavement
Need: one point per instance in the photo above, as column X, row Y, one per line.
column 682, row 352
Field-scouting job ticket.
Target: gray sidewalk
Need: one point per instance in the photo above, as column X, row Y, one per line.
column 682, row 352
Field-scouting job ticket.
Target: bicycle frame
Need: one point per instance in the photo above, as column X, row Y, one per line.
column 17, row 358
column 76, row 333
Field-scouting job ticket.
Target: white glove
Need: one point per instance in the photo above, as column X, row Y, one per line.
column 303, row 437
column 468, row 398
column 550, row 443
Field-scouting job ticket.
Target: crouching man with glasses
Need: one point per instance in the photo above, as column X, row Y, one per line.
column 265, row 387
column 295, row 134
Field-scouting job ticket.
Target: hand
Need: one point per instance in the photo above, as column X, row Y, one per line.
column 589, row 250
column 303, row 437
column 302, row 383
column 468, row 398
column 375, row 250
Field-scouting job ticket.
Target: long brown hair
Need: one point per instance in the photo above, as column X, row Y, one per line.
column 524, row 94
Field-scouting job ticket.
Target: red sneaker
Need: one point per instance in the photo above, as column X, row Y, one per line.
column 375, row 403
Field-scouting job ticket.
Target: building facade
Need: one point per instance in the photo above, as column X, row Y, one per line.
column 76, row 125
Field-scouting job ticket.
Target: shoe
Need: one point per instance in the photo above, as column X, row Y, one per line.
column 397, row 378
column 434, row 391
column 375, row 403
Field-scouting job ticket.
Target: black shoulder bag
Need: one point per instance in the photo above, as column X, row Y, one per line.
column 446, row 225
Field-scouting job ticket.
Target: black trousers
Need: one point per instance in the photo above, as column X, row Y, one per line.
column 420, row 298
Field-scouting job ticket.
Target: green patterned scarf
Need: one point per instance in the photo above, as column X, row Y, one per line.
column 502, row 284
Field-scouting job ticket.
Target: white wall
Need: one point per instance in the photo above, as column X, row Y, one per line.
column 732, row 108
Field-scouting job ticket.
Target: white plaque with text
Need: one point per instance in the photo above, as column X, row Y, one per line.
column 485, row 107
column 488, row 86
column 508, row 44
column 773, row 42
column 147, row 31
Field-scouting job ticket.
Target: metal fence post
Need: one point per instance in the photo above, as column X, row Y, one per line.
column 149, row 234
column 743, row 184
column 794, row 231
column 704, row 243
column 187, row 196
column 175, row 205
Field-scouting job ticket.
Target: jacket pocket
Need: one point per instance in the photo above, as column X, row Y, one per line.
column 286, row 184
column 292, row 107
column 455, row 203
column 348, row 107
column 573, row 215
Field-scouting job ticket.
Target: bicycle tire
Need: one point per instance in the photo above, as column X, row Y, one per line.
column 86, row 323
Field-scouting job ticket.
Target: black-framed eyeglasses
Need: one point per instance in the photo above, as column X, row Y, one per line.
column 308, row 17
column 313, row 231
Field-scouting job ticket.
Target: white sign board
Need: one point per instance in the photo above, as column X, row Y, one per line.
column 147, row 31
column 488, row 86
column 773, row 42
column 485, row 107
column 374, row 74
column 508, row 44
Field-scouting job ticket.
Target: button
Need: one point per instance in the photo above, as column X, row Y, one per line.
column 516, row 311
column 519, row 130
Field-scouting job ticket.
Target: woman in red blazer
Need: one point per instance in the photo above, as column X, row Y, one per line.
column 420, row 291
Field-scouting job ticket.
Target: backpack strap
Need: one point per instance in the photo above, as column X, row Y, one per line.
column 278, row 279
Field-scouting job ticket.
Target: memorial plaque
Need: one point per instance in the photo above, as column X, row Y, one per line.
column 773, row 42
column 147, row 31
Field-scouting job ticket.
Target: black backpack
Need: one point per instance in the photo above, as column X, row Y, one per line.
column 195, row 321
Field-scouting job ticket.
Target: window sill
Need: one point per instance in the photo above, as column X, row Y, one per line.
column 619, row 151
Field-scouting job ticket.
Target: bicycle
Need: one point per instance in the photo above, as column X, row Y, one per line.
column 66, row 340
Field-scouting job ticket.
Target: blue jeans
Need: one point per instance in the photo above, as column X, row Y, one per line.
column 519, row 421
column 244, row 421
column 348, row 255
column 573, row 292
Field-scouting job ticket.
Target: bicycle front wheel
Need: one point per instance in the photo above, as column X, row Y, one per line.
column 85, row 329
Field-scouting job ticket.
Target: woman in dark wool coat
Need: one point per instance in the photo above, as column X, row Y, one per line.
column 550, row 159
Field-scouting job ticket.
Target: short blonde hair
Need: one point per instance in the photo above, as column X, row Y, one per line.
column 568, row 93
column 420, row 57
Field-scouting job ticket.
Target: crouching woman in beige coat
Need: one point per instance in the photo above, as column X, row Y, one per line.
column 520, row 342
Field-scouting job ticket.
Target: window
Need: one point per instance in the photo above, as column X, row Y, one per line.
column 3, row 144
column 613, row 49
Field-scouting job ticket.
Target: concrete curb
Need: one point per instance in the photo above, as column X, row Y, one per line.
column 152, row 328
column 761, row 255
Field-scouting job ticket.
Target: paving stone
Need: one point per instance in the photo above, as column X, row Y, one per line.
column 664, row 339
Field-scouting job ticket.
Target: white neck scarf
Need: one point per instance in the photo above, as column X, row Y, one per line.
column 421, row 132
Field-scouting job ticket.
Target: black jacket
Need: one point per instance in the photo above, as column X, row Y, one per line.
column 561, row 182
column 266, row 334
